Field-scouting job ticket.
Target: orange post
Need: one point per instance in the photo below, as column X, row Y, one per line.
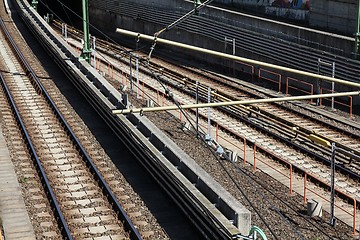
column 217, row 132
column 252, row 73
column 287, row 86
column 180, row 116
column 254, row 157
column 143, row 91
column 351, row 106
column 354, row 222
column 244, row 151
column 305, row 180
column 112, row 71
column 291, row 175
column 280, row 84
column 321, row 91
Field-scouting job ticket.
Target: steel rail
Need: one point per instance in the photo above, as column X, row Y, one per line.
column 199, row 216
column 296, row 168
column 301, row 129
column 42, row 175
column 234, row 113
column 89, row 163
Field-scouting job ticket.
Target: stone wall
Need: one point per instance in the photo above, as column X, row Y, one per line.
column 334, row 15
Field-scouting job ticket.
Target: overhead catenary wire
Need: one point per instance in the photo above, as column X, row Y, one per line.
column 177, row 104
column 183, row 18
column 91, row 25
column 104, row 57
column 167, row 91
column 175, row 23
column 237, row 186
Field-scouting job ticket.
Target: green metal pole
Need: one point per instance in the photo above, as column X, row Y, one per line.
column 357, row 34
column 34, row 4
column 86, row 51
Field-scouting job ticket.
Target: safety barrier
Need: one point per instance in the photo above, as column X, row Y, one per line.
column 290, row 176
column 270, row 76
column 242, row 70
column 283, row 161
column 290, row 80
column 353, row 214
column 350, row 105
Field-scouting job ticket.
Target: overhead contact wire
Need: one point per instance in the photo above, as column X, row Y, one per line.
column 169, row 27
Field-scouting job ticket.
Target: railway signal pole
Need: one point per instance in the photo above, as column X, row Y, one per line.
column 86, row 51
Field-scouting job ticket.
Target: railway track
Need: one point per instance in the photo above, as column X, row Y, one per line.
column 291, row 124
column 299, row 125
column 82, row 201
column 65, row 164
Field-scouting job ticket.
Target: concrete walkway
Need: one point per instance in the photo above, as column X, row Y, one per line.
column 15, row 219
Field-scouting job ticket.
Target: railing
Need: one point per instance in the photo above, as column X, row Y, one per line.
column 310, row 86
column 283, row 161
column 270, row 76
column 353, row 214
column 242, row 70
column 349, row 105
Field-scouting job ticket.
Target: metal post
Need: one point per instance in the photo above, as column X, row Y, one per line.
column 197, row 109
column 130, row 76
column 137, row 76
column 332, row 65
column 209, row 113
column 357, row 33
column 234, row 46
column 332, row 85
column 233, row 49
column 65, row 29
column 318, row 84
column 34, row 4
column 332, row 197
column 86, row 51
column 94, row 47
column 234, row 55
